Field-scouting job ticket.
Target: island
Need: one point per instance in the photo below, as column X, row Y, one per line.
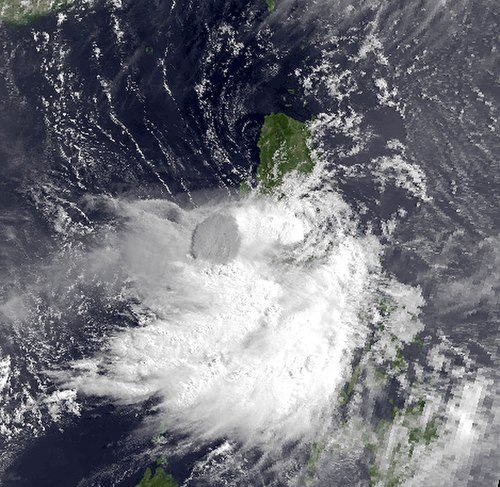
column 23, row 12
column 283, row 148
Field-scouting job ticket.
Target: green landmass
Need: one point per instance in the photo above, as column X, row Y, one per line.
column 23, row 12
column 387, row 479
column 313, row 458
column 245, row 188
column 386, row 306
column 379, row 374
column 427, row 435
column 271, row 5
column 374, row 474
column 387, row 463
column 394, row 482
column 159, row 479
column 346, row 393
column 283, row 148
column 399, row 362
column 417, row 340
column 417, row 408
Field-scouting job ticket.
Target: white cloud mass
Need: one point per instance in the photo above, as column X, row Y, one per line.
column 254, row 349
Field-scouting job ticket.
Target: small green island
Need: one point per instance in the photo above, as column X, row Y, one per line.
column 159, row 479
column 283, row 148
column 23, row 12
column 271, row 5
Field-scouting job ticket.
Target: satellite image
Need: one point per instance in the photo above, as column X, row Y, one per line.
column 249, row 243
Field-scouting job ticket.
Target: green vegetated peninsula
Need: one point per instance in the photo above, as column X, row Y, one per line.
column 271, row 5
column 159, row 479
column 22, row 12
column 283, row 148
